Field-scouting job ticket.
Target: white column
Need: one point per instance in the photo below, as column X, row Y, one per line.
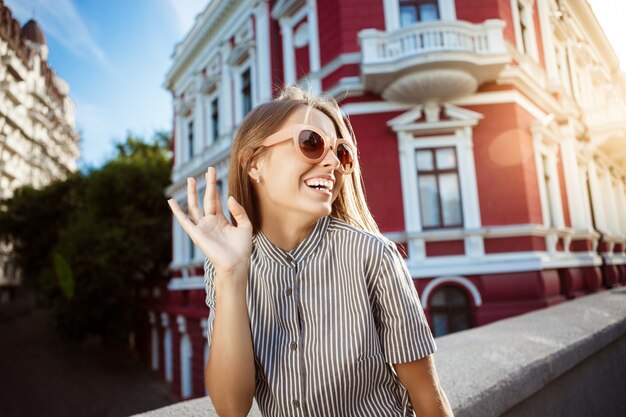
column 186, row 355
column 621, row 206
column 585, row 198
column 597, row 201
column 167, row 346
column 474, row 246
column 410, row 196
column 447, row 10
column 547, row 37
column 262, row 33
column 610, row 206
column 572, row 180
column 555, row 191
column 314, row 46
column 226, row 119
column 286, row 31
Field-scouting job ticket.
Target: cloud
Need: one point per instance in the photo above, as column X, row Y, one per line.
column 60, row 20
column 186, row 12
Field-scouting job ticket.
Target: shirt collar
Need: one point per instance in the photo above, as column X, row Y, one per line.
column 300, row 252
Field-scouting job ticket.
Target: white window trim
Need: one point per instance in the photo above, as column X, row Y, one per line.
column 208, row 109
column 597, row 200
column 447, row 12
column 551, row 204
column 237, row 72
column 531, row 40
column 585, row 195
column 287, row 24
column 461, row 139
column 263, row 52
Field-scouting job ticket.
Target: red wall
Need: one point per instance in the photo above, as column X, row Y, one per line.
column 340, row 22
column 378, row 153
column 505, row 166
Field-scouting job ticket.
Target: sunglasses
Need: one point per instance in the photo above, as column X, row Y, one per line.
column 313, row 144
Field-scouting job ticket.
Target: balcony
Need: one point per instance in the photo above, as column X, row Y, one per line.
column 432, row 61
column 607, row 128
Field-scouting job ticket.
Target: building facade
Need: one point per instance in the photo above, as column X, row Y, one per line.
column 492, row 137
column 38, row 138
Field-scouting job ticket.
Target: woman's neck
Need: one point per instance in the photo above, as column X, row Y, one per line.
column 287, row 232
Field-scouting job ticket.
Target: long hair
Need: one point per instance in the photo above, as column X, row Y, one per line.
column 265, row 119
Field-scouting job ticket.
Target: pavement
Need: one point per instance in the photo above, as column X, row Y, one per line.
column 44, row 375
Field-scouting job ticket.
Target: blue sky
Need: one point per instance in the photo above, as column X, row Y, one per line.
column 115, row 54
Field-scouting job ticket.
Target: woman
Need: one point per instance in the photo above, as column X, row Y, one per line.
column 312, row 310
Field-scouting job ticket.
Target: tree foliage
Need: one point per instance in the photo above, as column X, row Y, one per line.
column 85, row 244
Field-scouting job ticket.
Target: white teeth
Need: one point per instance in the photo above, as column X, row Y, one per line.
column 320, row 182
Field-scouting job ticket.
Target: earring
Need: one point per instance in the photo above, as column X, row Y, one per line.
column 258, row 180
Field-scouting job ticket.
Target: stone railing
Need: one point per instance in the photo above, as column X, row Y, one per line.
column 611, row 114
column 456, row 36
column 564, row 360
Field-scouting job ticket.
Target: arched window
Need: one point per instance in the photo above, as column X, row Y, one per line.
column 450, row 310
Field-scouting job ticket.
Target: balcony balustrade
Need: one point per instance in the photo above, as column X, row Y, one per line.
column 607, row 128
column 432, row 61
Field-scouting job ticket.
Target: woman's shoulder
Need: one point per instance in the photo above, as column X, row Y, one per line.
column 342, row 229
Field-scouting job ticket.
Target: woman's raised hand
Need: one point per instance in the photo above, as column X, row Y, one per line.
column 226, row 246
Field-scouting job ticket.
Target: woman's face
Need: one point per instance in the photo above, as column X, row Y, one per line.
column 283, row 173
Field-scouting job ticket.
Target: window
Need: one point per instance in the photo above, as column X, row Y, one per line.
column 438, row 188
column 551, row 219
column 246, row 91
column 450, row 311
column 190, row 138
column 523, row 27
column 412, row 11
column 215, row 131
column 523, row 11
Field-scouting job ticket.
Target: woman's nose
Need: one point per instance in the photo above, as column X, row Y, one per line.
column 331, row 159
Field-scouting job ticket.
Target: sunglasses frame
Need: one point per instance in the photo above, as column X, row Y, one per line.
column 293, row 132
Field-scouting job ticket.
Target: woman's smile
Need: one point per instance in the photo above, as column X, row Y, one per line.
column 320, row 191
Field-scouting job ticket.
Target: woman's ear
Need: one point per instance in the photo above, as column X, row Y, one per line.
column 254, row 170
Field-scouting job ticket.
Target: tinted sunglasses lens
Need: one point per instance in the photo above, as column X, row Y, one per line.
column 311, row 144
column 346, row 159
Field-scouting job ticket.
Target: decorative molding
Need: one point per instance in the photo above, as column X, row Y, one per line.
column 441, row 281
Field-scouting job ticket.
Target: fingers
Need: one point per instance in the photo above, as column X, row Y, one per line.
column 210, row 193
column 239, row 214
column 218, row 203
column 180, row 215
column 192, row 201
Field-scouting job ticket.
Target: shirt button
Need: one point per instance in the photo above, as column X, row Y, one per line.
column 294, row 345
column 296, row 403
column 288, row 291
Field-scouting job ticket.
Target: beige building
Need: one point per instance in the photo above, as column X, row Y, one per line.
column 38, row 138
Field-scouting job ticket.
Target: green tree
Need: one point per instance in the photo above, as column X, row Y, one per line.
column 111, row 234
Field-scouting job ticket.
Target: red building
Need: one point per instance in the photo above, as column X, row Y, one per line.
column 492, row 136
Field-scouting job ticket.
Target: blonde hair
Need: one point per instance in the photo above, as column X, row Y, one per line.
column 265, row 119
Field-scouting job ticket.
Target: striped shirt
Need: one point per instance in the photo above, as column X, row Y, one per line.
column 328, row 319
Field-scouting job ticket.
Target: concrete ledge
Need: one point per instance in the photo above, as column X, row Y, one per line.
column 505, row 367
column 488, row 370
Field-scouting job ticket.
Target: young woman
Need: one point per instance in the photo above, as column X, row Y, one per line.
column 312, row 311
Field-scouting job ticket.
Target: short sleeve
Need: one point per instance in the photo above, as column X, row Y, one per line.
column 209, row 274
column 403, row 330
